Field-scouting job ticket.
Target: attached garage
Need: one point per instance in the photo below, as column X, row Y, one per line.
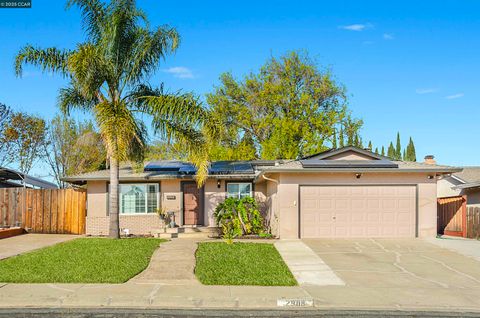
column 357, row 211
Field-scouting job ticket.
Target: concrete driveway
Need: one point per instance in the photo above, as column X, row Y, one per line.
column 397, row 274
column 28, row 242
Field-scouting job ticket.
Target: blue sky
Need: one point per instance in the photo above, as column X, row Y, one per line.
column 409, row 66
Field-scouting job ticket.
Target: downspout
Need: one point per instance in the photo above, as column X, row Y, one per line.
column 270, row 216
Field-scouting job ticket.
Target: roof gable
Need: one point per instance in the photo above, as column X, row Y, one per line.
column 347, row 157
column 346, row 153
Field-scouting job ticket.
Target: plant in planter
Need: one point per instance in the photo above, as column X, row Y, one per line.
column 238, row 217
column 163, row 215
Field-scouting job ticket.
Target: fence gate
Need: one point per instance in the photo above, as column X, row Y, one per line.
column 452, row 216
column 60, row 211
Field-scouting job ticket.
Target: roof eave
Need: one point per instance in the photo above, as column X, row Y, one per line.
column 391, row 170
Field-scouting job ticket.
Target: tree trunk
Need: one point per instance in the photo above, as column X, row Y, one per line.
column 114, row 231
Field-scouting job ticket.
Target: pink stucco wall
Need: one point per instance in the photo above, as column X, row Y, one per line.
column 287, row 206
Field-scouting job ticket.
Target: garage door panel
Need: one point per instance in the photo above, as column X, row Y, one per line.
column 357, row 211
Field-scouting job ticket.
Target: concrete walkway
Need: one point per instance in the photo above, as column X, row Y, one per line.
column 307, row 267
column 467, row 247
column 28, row 242
column 172, row 263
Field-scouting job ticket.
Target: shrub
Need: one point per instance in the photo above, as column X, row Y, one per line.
column 238, row 217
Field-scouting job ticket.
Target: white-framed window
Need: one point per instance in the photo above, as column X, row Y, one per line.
column 239, row 189
column 139, row 198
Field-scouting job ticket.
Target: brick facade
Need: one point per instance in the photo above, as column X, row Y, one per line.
column 141, row 224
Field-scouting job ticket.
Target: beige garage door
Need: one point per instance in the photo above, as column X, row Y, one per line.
column 357, row 211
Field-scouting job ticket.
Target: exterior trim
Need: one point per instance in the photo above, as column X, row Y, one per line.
column 356, row 185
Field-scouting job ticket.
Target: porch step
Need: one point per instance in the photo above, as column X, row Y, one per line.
column 188, row 232
column 197, row 229
column 198, row 235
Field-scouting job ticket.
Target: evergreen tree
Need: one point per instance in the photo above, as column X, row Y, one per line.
column 341, row 140
column 334, row 139
column 370, row 146
column 376, row 150
column 391, row 151
column 404, row 157
column 383, row 151
column 356, row 141
column 398, row 148
column 410, row 155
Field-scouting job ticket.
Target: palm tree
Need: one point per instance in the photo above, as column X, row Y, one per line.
column 108, row 76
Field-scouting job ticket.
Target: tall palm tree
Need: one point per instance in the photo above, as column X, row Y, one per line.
column 108, row 76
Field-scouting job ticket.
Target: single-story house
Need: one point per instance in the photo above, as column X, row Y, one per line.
column 346, row 192
column 10, row 178
column 465, row 182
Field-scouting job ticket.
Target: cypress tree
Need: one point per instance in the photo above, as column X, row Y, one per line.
column 370, row 146
column 391, row 151
column 334, row 139
column 383, row 151
column 404, row 156
column 376, row 150
column 398, row 148
column 356, row 141
column 411, row 156
column 341, row 139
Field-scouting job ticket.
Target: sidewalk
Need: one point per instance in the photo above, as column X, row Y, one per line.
column 28, row 242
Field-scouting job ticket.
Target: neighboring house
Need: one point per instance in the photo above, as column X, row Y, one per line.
column 347, row 192
column 465, row 182
column 10, row 178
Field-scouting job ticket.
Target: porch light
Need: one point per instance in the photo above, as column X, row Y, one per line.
column 358, row 175
column 219, row 184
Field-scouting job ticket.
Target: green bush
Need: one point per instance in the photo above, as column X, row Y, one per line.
column 238, row 217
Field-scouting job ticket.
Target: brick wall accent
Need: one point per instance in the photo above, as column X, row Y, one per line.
column 142, row 224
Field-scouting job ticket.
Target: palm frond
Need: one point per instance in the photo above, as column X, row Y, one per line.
column 93, row 13
column 90, row 70
column 149, row 49
column 70, row 98
column 49, row 60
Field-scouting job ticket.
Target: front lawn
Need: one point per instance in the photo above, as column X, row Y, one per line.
column 84, row 260
column 241, row 264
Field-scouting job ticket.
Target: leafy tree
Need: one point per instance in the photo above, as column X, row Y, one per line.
column 25, row 135
column 288, row 109
column 5, row 115
column 398, row 148
column 391, row 151
column 107, row 78
column 73, row 148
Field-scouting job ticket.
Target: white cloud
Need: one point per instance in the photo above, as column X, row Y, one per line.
column 454, row 96
column 180, row 72
column 388, row 36
column 356, row 27
column 426, row 90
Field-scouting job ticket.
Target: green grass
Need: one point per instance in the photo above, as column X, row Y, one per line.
column 241, row 264
column 83, row 260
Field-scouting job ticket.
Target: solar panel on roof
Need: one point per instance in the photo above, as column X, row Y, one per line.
column 163, row 166
column 240, row 167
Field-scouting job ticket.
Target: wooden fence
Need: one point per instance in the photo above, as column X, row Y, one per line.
column 473, row 222
column 59, row 211
column 451, row 216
